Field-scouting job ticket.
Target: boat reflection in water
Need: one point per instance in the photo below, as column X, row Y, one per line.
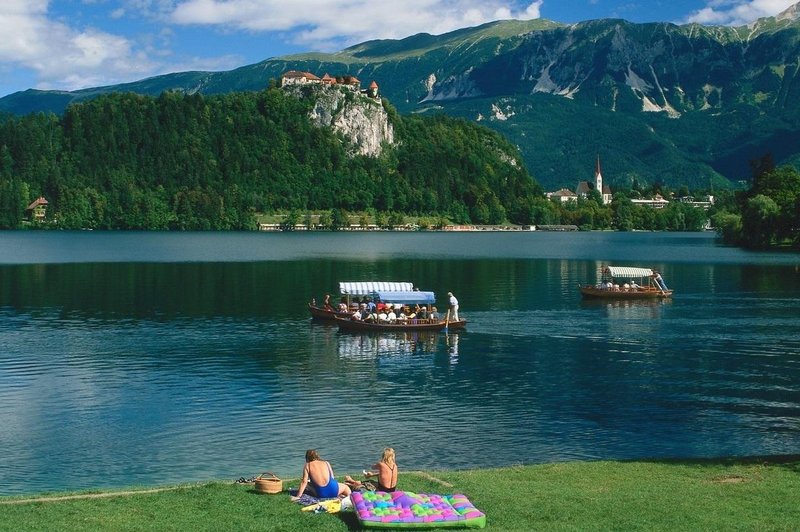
column 628, row 307
column 370, row 345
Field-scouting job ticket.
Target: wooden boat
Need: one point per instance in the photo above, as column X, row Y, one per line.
column 381, row 316
column 349, row 292
column 349, row 324
column 623, row 282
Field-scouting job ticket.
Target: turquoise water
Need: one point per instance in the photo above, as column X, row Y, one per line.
column 152, row 358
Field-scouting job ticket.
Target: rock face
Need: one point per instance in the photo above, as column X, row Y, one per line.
column 360, row 119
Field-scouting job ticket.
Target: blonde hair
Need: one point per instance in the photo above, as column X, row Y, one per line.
column 388, row 457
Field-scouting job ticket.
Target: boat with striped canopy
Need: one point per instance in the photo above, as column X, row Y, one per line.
column 625, row 282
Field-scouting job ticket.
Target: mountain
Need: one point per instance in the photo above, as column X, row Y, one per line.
column 658, row 102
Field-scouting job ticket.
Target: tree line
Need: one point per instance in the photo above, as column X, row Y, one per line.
column 125, row 161
column 194, row 162
column 767, row 215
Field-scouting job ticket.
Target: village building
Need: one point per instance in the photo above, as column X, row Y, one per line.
column 585, row 187
column 656, row 202
column 562, row 196
column 37, row 210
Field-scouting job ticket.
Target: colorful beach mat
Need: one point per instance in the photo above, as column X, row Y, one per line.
column 404, row 509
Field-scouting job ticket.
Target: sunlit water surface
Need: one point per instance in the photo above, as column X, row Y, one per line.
column 154, row 358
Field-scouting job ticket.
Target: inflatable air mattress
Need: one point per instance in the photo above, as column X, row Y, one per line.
column 403, row 509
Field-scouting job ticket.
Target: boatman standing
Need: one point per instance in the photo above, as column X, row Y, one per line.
column 453, row 306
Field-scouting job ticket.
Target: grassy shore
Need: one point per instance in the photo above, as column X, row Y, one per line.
column 733, row 494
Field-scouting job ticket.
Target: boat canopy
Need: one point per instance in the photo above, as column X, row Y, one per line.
column 368, row 288
column 625, row 271
column 406, row 297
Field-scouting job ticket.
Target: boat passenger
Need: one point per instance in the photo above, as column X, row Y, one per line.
column 357, row 315
column 391, row 316
column 382, row 316
column 634, row 286
column 327, row 304
column 434, row 314
column 371, row 307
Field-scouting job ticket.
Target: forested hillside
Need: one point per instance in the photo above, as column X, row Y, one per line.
column 126, row 161
column 662, row 104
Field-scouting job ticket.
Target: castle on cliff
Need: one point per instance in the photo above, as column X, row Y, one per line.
column 296, row 77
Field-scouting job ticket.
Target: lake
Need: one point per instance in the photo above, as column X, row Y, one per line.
column 134, row 358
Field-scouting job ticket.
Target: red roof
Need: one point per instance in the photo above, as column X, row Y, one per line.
column 298, row 74
column 38, row 201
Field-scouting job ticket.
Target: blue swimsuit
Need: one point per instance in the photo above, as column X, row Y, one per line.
column 328, row 491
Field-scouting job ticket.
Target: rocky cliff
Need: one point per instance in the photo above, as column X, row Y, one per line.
column 360, row 119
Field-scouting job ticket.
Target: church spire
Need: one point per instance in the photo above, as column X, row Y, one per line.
column 598, row 177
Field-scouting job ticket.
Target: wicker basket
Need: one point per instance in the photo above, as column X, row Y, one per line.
column 271, row 484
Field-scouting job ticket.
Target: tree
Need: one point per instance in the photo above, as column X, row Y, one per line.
column 290, row 221
column 759, row 221
column 728, row 225
column 326, row 220
column 339, row 220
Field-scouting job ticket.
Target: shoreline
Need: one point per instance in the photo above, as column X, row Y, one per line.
column 750, row 493
column 432, row 476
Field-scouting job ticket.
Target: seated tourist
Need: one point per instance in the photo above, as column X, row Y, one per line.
column 318, row 479
column 386, row 473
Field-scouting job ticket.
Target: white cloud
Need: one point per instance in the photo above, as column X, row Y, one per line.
column 62, row 56
column 737, row 12
column 317, row 22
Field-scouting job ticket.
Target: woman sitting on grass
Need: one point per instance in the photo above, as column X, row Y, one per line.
column 318, row 478
column 386, row 473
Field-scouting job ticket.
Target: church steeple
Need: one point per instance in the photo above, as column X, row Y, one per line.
column 598, row 177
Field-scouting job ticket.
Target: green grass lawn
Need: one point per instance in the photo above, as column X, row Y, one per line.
column 736, row 494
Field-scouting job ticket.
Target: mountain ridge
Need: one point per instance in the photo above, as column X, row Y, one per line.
column 741, row 79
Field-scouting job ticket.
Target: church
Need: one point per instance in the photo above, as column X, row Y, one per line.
column 585, row 187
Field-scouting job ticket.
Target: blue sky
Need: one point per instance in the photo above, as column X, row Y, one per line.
column 72, row 44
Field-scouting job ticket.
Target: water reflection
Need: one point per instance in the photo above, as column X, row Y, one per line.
column 160, row 371
column 372, row 345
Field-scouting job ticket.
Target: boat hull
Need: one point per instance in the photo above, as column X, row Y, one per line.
column 646, row 292
column 408, row 325
column 321, row 314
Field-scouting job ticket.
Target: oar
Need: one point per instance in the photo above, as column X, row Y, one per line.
column 447, row 320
